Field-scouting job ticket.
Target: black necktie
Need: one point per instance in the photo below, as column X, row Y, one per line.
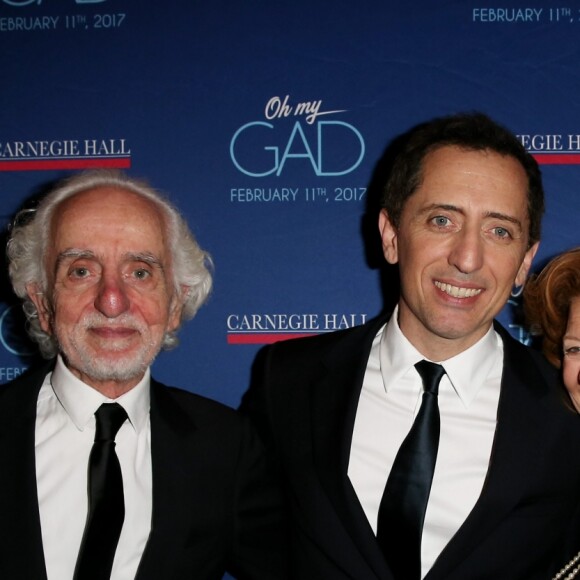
column 106, row 505
column 402, row 510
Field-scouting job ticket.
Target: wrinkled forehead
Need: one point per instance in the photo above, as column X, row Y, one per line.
column 103, row 217
column 107, row 198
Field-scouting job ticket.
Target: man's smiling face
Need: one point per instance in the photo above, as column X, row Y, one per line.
column 461, row 245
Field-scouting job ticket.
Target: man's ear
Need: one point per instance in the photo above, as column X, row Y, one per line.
column 176, row 308
column 40, row 300
column 526, row 264
column 389, row 238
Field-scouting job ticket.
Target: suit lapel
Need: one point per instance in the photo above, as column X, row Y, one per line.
column 19, row 504
column 334, row 400
column 520, row 441
column 171, row 435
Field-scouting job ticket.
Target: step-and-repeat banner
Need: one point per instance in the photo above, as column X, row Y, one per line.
column 265, row 122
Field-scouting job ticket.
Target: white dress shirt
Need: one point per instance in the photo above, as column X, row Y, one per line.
column 389, row 401
column 65, row 432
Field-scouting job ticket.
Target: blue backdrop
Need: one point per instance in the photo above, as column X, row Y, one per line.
column 264, row 122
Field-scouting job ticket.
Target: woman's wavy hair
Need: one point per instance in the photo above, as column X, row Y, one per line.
column 30, row 236
column 547, row 299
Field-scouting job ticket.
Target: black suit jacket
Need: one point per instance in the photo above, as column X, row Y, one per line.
column 214, row 507
column 304, row 402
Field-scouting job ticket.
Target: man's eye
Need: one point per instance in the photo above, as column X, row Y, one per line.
column 440, row 221
column 141, row 274
column 79, row 272
column 502, row 232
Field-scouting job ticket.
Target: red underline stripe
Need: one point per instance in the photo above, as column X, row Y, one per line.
column 557, row 158
column 263, row 338
column 43, row 164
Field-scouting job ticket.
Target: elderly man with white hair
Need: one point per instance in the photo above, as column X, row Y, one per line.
column 106, row 473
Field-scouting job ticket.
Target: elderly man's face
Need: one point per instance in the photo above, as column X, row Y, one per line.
column 110, row 299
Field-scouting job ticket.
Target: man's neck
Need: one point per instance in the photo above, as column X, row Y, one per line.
column 112, row 389
column 434, row 347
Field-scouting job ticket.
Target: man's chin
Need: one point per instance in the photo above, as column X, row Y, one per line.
column 118, row 371
column 105, row 365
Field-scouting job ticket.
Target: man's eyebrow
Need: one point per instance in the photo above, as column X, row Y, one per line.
column 73, row 253
column 445, row 206
column 504, row 217
column 145, row 257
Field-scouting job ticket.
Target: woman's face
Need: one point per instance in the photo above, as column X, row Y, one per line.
column 571, row 361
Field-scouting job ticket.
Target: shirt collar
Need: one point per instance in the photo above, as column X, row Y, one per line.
column 80, row 401
column 467, row 371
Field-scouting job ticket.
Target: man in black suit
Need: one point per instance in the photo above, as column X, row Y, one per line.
column 460, row 215
column 108, row 270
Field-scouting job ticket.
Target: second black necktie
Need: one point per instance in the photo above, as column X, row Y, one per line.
column 404, row 502
column 106, row 503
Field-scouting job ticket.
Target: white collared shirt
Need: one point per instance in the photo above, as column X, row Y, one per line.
column 65, row 432
column 389, row 401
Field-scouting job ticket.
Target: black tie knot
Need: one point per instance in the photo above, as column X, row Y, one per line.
column 431, row 374
column 110, row 417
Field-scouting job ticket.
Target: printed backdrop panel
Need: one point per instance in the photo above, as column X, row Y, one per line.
column 265, row 123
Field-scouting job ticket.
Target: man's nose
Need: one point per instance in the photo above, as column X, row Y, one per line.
column 467, row 251
column 112, row 299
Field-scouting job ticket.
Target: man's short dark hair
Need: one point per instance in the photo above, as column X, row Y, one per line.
column 469, row 131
